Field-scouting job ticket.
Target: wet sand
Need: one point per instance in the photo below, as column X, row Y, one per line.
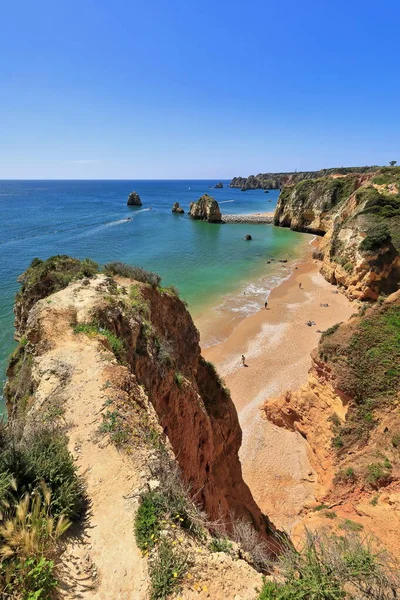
column 277, row 344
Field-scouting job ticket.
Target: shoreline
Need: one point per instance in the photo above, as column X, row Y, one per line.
column 277, row 344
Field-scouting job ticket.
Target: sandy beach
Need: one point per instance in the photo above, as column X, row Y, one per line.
column 277, row 343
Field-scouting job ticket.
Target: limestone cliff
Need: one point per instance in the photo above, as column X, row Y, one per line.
column 359, row 217
column 348, row 412
column 122, row 356
column 205, row 208
column 275, row 181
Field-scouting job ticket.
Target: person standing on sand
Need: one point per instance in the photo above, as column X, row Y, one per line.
column 266, row 304
column 243, row 360
column 300, row 286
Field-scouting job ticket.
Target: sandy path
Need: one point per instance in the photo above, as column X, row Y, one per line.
column 277, row 345
column 101, row 560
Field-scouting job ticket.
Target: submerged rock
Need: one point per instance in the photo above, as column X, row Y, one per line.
column 177, row 208
column 205, row 209
column 134, row 199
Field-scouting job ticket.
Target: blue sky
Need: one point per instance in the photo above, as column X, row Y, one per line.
column 183, row 89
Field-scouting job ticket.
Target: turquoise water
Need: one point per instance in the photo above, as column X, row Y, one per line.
column 207, row 262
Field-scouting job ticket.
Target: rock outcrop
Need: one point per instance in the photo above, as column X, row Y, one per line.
column 275, row 181
column 359, row 217
column 205, row 209
column 348, row 411
column 218, row 185
column 134, row 199
column 159, row 346
column 177, row 208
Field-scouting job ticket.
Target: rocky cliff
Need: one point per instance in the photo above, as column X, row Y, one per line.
column 359, row 217
column 348, row 412
column 118, row 356
column 205, row 208
column 275, row 181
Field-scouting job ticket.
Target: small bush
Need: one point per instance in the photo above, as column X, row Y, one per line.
column 330, row 514
column 132, row 272
column 376, row 237
column 378, row 474
column 330, row 331
column 349, row 525
column 147, row 520
column 167, row 571
column 345, row 476
column 44, row 457
column 28, row 537
column 333, row 568
column 179, row 379
column 221, row 544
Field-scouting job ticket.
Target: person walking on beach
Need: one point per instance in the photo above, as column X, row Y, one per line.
column 243, row 360
column 300, row 287
column 266, row 304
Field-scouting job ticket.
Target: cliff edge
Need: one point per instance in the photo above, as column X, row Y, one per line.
column 359, row 217
column 115, row 364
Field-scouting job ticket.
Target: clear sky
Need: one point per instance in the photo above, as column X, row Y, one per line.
column 136, row 89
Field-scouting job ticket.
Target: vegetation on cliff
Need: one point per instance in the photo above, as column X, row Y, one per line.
column 333, row 568
column 275, row 181
column 364, row 359
column 359, row 215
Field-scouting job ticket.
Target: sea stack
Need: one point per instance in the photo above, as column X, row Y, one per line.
column 219, row 185
column 134, row 199
column 205, row 209
column 177, row 208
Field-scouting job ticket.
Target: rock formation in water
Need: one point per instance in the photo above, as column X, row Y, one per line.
column 205, row 209
column 218, row 185
column 177, row 208
column 275, row 181
column 348, row 412
column 134, row 199
column 359, row 217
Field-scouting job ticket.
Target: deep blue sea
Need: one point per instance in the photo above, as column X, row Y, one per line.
column 210, row 264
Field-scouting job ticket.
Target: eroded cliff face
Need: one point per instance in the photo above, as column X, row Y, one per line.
column 359, row 217
column 348, row 411
column 156, row 339
column 275, row 181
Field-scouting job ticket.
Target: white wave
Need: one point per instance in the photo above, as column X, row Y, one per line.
column 225, row 201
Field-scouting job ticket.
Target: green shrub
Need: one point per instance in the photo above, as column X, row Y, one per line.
column 132, row 272
column 376, row 237
column 147, row 520
column 330, row 331
column 349, row 525
column 345, row 476
column 220, row 544
column 379, row 474
column 332, row 568
column 329, row 514
column 167, row 571
column 44, row 457
column 179, row 379
column 114, row 424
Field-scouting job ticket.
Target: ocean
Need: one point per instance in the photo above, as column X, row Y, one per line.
column 211, row 265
